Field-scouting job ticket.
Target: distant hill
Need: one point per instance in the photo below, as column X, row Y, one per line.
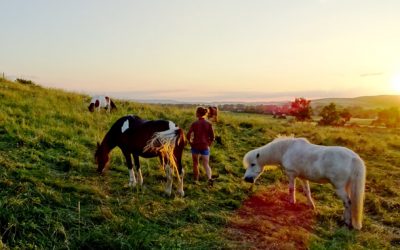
column 367, row 102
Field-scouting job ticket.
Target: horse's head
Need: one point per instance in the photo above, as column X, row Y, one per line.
column 91, row 107
column 253, row 168
column 102, row 158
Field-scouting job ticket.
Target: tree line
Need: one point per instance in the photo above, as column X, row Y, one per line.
column 331, row 115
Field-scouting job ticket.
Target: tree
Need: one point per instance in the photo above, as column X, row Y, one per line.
column 331, row 116
column 345, row 116
column 389, row 117
column 301, row 109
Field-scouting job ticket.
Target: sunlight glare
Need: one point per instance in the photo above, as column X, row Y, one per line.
column 396, row 83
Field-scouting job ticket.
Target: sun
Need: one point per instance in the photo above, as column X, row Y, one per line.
column 395, row 82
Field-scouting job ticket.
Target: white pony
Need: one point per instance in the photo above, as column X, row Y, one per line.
column 101, row 101
column 299, row 158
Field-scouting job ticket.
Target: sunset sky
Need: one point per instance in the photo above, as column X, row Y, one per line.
column 208, row 50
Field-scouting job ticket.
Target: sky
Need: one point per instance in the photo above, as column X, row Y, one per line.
column 204, row 50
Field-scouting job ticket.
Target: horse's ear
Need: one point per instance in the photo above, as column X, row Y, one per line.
column 258, row 155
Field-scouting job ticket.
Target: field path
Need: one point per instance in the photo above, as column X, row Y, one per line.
column 268, row 221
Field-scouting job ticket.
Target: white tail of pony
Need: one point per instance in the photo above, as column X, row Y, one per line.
column 165, row 142
column 357, row 193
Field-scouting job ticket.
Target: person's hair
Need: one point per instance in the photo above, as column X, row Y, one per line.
column 201, row 111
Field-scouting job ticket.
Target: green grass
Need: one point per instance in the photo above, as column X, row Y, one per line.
column 52, row 197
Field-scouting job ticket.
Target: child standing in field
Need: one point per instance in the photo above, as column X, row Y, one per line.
column 201, row 136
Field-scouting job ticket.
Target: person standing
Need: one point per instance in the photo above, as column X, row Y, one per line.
column 201, row 136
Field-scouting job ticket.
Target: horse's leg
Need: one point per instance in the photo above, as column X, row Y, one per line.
column 178, row 161
column 169, row 173
column 181, row 174
column 292, row 188
column 138, row 169
column 307, row 192
column 132, row 179
column 341, row 192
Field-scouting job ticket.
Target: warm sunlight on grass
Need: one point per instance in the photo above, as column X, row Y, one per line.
column 395, row 83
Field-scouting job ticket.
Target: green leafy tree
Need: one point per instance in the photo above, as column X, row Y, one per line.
column 331, row 116
column 389, row 117
column 345, row 116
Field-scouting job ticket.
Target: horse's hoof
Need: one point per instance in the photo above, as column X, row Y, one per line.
column 132, row 184
column 181, row 193
column 349, row 226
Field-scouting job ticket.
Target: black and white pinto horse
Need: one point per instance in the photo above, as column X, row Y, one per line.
column 101, row 101
column 136, row 137
column 340, row 166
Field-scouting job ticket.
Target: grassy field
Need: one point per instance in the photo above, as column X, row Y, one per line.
column 52, row 198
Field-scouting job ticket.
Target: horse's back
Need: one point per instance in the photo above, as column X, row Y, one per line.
column 99, row 101
column 124, row 124
column 320, row 163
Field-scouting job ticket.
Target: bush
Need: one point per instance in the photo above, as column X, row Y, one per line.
column 389, row 117
column 301, row 109
column 23, row 81
column 331, row 116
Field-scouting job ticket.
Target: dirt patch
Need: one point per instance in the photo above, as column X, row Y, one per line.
column 268, row 221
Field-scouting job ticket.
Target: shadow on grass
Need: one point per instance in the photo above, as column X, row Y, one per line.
column 268, row 221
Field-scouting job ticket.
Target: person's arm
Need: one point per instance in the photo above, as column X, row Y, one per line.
column 211, row 135
column 189, row 135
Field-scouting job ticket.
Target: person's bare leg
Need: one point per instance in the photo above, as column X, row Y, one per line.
column 195, row 158
column 205, row 161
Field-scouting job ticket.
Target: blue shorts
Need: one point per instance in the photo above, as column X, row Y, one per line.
column 201, row 152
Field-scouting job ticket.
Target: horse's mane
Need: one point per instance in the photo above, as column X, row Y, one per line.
column 280, row 137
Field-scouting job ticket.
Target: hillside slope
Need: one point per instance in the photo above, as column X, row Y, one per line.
column 52, row 198
column 367, row 102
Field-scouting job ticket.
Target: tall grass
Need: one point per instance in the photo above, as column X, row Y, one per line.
column 52, row 197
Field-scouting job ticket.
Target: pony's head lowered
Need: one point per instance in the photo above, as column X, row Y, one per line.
column 102, row 158
column 253, row 167
column 91, row 107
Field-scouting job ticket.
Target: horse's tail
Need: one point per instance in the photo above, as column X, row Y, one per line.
column 357, row 193
column 165, row 142
column 179, row 147
column 181, row 138
column 112, row 104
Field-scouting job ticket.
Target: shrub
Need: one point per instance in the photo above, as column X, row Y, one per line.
column 331, row 116
column 23, row 81
column 301, row 109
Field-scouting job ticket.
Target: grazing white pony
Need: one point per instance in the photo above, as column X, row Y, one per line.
column 299, row 158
